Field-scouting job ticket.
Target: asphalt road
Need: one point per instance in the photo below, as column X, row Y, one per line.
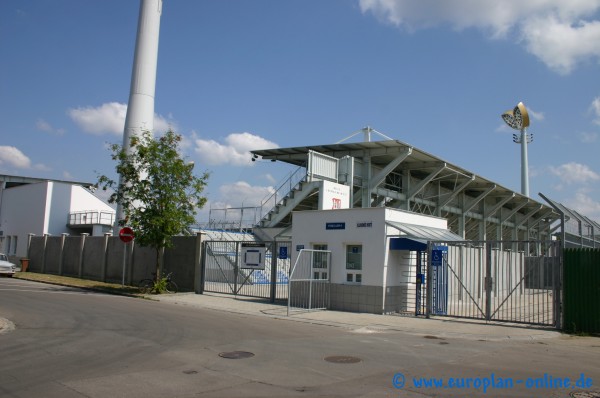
column 72, row 343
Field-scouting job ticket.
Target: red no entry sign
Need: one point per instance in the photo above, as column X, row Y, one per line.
column 126, row 234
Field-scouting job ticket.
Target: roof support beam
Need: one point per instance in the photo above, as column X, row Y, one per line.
column 455, row 193
column 528, row 216
column 414, row 191
column 478, row 199
column 498, row 206
column 380, row 177
column 513, row 212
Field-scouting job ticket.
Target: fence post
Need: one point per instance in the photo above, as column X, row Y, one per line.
column 488, row 281
column 557, row 276
column 44, row 253
column 81, row 247
column 61, row 256
column 29, row 236
column 274, row 258
column 429, row 285
column 107, row 235
column 199, row 265
column 236, row 268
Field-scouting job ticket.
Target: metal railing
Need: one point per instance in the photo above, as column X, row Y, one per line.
column 270, row 201
column 91, row 217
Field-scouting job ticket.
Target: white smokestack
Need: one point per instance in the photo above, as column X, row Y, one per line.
column 140, row 110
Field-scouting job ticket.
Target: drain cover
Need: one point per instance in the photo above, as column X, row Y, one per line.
column 342, row 359
column 236, row 355
column 584, row 394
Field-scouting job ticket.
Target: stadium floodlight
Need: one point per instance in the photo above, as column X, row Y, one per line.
column 518, row 119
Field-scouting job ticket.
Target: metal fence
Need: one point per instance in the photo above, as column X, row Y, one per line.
column 224, row 271
column 309, row 284
column 582, row 290
column 496, row 281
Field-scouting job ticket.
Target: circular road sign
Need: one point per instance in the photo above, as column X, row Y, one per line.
column 126, row 234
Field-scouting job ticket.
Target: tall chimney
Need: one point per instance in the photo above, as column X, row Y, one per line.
column 140, row 109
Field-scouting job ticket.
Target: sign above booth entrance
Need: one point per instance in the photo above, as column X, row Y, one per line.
column 335, row 225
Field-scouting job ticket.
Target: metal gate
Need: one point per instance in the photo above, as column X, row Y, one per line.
column 496, row 281
column 223, row 270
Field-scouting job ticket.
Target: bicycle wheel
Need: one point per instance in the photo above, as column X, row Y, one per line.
column 171, row 287
column 146, row 286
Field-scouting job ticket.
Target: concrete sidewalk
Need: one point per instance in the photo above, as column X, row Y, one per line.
column 365, row 323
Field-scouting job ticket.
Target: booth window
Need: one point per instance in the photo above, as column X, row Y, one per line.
column 320, row 262
column 354, row 263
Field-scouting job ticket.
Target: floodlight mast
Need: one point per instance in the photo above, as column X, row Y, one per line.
column 518, row 119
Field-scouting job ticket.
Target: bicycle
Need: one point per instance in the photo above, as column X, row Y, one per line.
column 147, row 285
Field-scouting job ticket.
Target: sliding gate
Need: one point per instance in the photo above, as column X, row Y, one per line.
column 496, row 281
column 246, row 268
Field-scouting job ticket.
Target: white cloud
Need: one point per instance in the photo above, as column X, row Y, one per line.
column 584, row 204
column 561, row 44
column 226, row 209
column 588, row 138
column 110, row 118
column 235, row 150
column 13, row 157
column 595, row 108
column 46, row 127
column 535, row 115
column 570, row 173
column 241, row 193
column 555, row 31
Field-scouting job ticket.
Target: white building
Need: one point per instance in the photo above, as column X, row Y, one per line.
column 40, row 206
column 373, row 254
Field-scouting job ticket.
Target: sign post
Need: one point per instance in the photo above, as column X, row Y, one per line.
column 126, row 235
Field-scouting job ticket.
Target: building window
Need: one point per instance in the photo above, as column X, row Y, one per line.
column 354, row 263
column 354, row 257
column 14, row 246
column 320, row 262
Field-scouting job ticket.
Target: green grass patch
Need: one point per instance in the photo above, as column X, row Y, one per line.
column 113, row 288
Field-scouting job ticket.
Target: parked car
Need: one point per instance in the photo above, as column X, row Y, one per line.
column 6, row 267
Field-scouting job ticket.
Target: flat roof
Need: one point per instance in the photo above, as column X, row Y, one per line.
column 13, row 181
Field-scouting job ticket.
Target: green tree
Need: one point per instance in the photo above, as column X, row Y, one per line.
column 158, row 192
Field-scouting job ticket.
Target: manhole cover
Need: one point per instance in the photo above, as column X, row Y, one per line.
column 236, row 355
column 342, row 359
column 190, row 372
column 585, row 394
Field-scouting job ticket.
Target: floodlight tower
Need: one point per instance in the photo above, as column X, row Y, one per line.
column 518, row 119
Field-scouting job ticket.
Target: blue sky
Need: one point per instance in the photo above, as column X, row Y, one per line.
column 240, row 75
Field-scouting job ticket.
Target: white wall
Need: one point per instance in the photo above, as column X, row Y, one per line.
column 22, row 211
column 82, row 199
column 400, row 268
column 43, row 208
column 366, row 227
column 309, row 228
